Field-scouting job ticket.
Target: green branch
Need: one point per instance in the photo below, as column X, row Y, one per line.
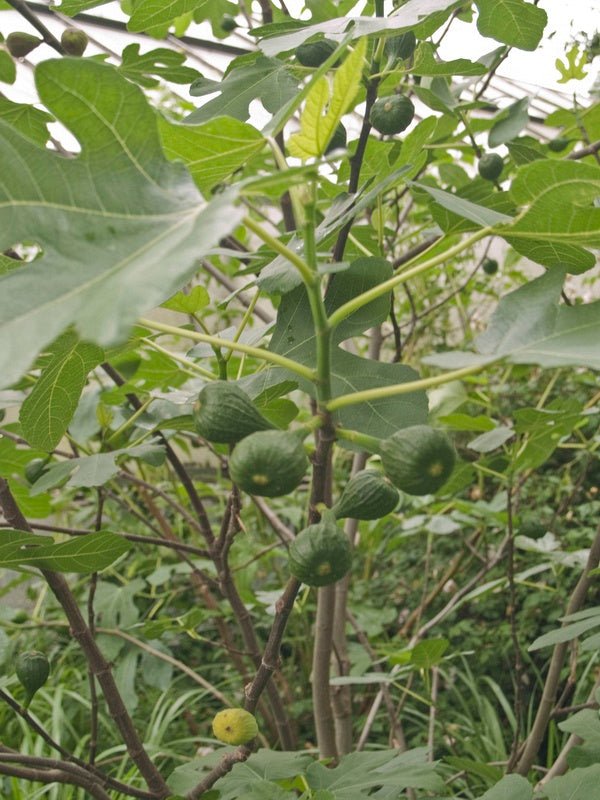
column 361, row 300
column 366, row 442
column 215, row 341
column 402, row 388
column 185, row 362
column 317, row 306
column 308, row 276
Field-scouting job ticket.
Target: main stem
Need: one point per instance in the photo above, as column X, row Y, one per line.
column 321, row 493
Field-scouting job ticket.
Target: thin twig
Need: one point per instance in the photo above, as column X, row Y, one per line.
column 285, row 534
column 448, row 609
column 180, row 470
column 560, row 765
column 174, row 662
column 229, row 528
column 356, row 162
column 269, row 663
column 49, row 776
column 131, row 537
column 93, row 743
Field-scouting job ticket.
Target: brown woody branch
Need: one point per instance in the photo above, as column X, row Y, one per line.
column 229, row 528
column 228, row 762
column 49, row 770
column 590, row 150
column 323, row 646
column 269, row 663
column 131, row 537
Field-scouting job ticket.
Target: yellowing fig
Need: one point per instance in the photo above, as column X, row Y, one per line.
column 74, row 41
column 234, row 726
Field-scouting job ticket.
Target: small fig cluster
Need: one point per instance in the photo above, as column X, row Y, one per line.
column 265, row 461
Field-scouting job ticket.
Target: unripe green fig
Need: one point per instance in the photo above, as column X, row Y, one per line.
column 490, row 166
column 268, row 463
column 321, row 554
column 35, row 469
column 390, row 115
column 313, row 54
column 228, row 23
column 224, row 413
column 558, row 145
column 20, row 44
column 32, row 670
column 367, row 495
column 235, row 726
column 401, row 46
column 418, row 459
column 338, row 140
column 74, row 41
column 490, row 266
